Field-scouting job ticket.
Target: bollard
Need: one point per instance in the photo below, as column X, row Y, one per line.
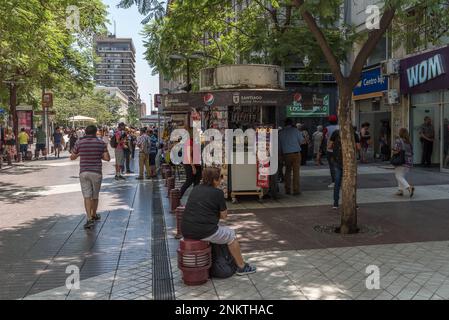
column 179, row 212
column 194, row 260
column 175, row 199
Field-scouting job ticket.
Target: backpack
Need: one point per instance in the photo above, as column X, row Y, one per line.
column 114, row 142
column 223, row 264
column 153, row 146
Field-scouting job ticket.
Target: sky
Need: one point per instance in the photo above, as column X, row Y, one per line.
column 129, row 26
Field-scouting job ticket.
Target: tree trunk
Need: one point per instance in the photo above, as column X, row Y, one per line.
column 15, row 120
column 349, row 183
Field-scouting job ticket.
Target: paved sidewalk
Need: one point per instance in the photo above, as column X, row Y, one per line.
column 297, row 257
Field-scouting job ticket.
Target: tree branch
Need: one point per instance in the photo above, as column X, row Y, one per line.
column 370, row 45
column 288, row 18
column 334, row 63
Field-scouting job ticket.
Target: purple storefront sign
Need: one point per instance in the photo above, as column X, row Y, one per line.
column 425, row 72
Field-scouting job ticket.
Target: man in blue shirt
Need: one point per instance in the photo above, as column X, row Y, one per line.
column 290, row 140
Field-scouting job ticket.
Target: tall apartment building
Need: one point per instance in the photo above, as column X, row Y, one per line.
column 116, row 65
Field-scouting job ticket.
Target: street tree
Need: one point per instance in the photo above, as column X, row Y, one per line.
column 40, row 49
column 314, row 13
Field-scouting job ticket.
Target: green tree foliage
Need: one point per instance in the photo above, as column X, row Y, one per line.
column 133, row 115
column 245, row 32
column 95, row 104
column 38, row 50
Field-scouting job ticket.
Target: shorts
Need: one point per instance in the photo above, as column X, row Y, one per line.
column 90, row 184
column 40, row 147
column 119, row 157
column 224, row 235
column 23, row 148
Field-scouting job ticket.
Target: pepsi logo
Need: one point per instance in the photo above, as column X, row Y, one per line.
column 209, row 99
column 297, row 97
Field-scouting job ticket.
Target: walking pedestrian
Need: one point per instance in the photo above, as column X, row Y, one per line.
column 317, row 139
column 91, row 150
column 118, row 143
column 153, row 153
column 404, row 151
column 10, row 146
column 193, row 171
column 143, row 143
column 290, row 140
column 305, row 144
column 41, row 141
column 365, row 141
column 427, row 136
column 23, row 142
column 333, row 125
column 57, row 141
column 127, row 151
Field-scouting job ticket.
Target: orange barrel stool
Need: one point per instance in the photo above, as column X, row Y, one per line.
column 179, row 212
column 175, row 199
column 194, row 260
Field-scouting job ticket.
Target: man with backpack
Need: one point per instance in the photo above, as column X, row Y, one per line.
column 144, row 143
column 118, row 143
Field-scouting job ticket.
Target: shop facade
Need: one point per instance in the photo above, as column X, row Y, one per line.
column 370, row 107
column 424, row 83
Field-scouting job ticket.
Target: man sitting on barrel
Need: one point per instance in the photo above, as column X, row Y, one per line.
column 205, row 206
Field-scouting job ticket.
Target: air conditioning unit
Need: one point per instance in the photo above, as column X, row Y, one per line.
column 390, row 67
column 391, row 97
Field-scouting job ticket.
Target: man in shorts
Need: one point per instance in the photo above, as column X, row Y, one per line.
column 91, row 150
column 57, row 141
column 41, row 140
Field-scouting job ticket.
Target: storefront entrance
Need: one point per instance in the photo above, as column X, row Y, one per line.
column 436, row 106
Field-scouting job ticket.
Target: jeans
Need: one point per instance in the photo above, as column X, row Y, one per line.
column 338, row 179
column 331, row 165
column 127, row 153
column 400, row 173
column 191, row 178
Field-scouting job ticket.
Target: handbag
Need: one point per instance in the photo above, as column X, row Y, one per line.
column 398, row 159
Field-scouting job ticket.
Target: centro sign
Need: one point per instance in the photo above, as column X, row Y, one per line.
column 426, row 70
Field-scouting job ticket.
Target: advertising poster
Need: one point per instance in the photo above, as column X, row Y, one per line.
column 309, row 105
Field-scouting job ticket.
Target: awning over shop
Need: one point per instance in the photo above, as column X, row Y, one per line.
column 184, row 102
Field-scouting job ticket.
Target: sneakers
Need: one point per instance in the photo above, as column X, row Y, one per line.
column 247, row 269
column 399, row 193
column 89, row 224
column 120, row 177
column 139, row 178
column 97, row 217
column 335, row 207
column 331, row 185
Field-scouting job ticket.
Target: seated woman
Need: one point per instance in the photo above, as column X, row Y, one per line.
column 205, row 207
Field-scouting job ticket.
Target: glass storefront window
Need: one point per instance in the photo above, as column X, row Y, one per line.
column 445, row 137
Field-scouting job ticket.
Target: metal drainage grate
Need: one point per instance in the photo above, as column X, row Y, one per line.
column 163, row 288
column 363, row 229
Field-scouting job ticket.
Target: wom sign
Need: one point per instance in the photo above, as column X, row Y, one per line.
column 427, row 70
